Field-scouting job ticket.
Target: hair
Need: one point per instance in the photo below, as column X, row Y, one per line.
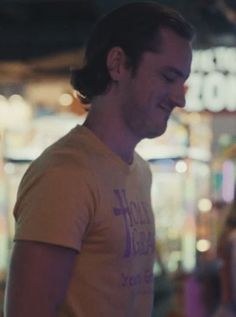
column 135, row 28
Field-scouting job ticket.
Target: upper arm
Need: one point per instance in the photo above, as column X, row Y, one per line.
column 39, row 275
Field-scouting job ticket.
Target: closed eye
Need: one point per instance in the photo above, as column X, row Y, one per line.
column 169, row 78
column 171, row 74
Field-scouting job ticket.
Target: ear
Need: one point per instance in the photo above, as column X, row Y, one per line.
column 116, row 62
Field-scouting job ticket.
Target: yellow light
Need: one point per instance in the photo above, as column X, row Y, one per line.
column 65, row 100
column 181, row 167
column 9, row 168
column 15, row 98
column 3, row 100
column 203, row 245
column 204, row 205
column 172, row 234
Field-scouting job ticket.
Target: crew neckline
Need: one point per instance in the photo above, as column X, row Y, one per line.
column 106, row 150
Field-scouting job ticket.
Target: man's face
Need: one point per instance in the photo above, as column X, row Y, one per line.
column 157, row 87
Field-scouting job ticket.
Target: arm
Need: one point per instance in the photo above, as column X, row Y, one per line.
column 39, row 275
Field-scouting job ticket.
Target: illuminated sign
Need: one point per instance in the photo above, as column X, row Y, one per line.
column 212, row 83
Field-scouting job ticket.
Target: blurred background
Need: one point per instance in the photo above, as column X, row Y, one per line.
column 193, row 163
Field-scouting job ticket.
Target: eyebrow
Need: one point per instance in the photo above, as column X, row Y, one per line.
column 177, row 72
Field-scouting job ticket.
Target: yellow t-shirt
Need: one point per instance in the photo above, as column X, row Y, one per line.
column 79, row 194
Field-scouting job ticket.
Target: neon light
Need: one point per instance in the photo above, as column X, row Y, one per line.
column 228, row 181
column 211, row 85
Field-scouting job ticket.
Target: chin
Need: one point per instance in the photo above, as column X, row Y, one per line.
column 156, row 133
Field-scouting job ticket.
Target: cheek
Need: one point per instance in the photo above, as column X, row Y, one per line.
column 157, row 91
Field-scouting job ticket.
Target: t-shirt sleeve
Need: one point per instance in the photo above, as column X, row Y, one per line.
column 56, row 207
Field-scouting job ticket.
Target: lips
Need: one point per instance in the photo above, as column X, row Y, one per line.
column 165, row 107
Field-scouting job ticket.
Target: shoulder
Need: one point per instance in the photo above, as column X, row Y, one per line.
column 67, row 155
column 62, row 166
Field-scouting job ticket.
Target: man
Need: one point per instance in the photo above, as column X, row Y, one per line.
column 85, row 240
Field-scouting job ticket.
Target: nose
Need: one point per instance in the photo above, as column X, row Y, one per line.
column 178, row 96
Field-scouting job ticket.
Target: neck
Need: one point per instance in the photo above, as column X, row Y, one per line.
column 106, row 124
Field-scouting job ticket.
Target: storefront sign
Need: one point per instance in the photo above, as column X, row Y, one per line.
column 212, row 83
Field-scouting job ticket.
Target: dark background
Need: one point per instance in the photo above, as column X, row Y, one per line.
column 42, row 38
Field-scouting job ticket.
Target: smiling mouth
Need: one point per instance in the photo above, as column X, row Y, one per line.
column 165, row 108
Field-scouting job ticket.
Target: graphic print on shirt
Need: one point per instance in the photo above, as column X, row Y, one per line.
column 139, row 238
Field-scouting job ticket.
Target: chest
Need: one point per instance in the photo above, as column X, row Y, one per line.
column 123, row 222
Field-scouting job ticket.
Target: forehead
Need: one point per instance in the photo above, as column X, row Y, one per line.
column 175, row 51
